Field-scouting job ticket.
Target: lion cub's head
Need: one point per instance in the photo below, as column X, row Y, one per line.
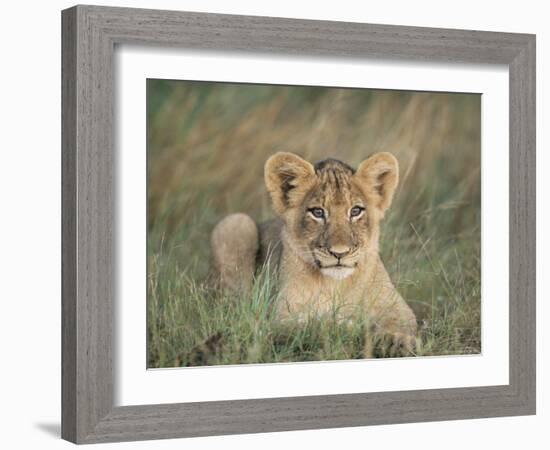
column 331, row 211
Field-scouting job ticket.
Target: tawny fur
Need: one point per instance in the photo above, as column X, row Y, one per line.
column 327, row 263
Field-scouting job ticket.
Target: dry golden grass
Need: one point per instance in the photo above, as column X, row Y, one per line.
column 207, row 145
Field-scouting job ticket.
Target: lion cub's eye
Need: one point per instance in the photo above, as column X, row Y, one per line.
column 356, row 211
column 318, row 213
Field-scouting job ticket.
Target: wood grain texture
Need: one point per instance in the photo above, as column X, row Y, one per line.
column 89, row 37
column 523, row 224
column 68, row 225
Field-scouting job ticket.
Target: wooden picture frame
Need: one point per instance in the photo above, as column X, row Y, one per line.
column 90, row 34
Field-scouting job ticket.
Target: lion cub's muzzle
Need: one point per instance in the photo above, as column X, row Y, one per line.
column 337, row 262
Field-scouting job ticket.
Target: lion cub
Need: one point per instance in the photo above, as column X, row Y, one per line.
column 324, row 244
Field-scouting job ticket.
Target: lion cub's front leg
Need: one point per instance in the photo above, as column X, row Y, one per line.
column 392, row 331
column 235, row 243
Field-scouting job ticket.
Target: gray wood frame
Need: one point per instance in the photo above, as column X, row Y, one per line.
column 89, row 37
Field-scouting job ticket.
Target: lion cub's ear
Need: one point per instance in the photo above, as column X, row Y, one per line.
column 378, row 176
column 287, row 178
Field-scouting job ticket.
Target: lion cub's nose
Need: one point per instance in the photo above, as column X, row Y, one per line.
column 339, row 251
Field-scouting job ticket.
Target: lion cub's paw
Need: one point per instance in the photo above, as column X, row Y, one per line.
column 391, row 345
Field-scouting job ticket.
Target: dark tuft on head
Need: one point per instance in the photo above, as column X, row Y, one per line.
column 333, row 164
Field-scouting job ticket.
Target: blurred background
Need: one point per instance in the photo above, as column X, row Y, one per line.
column 207, row 145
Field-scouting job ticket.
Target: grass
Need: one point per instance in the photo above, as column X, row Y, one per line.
column 207, row 144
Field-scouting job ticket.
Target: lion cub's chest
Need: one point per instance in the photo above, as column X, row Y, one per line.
column 304, row 294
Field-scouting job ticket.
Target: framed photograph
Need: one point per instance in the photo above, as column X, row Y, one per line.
column 277, row 224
